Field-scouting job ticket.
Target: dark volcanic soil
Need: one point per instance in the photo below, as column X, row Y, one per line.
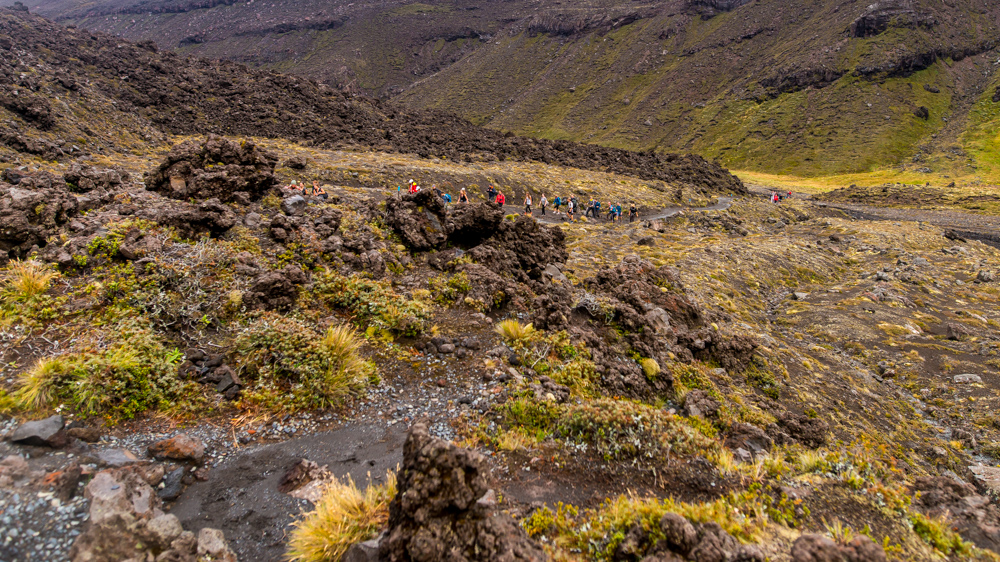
column 242, row 496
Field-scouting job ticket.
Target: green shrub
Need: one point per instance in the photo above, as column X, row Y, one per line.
column 135, row 375
column 650, row 368
column 938, row 533
column 372, row 302
column 622, row 429
column 288, row 365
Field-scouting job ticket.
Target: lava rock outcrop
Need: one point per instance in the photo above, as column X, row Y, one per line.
column 436, row 514
column 29, row 216
column 214, row 168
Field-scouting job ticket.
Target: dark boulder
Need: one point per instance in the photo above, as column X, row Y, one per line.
column 811, row 432
column 41, row 433
column 214, row 168
column 436, row 514
column 419, row 219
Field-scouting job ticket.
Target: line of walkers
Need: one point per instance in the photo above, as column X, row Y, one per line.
column 570, row 206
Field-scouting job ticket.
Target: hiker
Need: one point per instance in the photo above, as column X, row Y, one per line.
column 543, row 202
column 597, row 209
column 491, row 193
column 447, row 198
column 527, row 203
column 500, row 199
column 633, row 213
column 320, row 192
column 557, row 203
column 414, row 187
column 462, row 196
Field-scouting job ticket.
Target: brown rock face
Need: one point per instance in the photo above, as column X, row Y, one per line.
column 180, row 448
column 435, row 514
column 214, row 168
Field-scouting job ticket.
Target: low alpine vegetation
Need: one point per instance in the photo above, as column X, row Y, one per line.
column 289, row 365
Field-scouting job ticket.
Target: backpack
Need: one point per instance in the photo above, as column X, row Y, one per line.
column 558, row 201
column 447, row 197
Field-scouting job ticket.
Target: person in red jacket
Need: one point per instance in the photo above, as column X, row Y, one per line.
column 500, row 198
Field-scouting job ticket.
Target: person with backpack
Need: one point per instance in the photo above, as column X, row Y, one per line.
column 543, row 202
column 633, row 212
column 491, row 194
column 597, row 209
column 447, row 198
column 500, row 199
column 557, row 203
column 527, row 203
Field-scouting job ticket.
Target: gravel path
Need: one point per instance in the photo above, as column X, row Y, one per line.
column 953, row 219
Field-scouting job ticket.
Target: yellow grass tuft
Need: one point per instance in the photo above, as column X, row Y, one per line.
column 36, row 386
column 346, row 368
column 26, row 279
column 343, row 516
column 511, row 330
column 650, row 367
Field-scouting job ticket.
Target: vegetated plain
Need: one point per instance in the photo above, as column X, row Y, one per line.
column 777, row 369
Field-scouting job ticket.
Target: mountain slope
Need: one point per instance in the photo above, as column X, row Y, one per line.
column 64, row 90
column 774, row 85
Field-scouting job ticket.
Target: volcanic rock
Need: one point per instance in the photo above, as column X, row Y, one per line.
column 435, row 514
column 214, row 168
column 179, row 448
column 30, row 217
column 40, row 433
column 817, row 548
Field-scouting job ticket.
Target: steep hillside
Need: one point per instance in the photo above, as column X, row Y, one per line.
column 773, row 85
column 64, row 91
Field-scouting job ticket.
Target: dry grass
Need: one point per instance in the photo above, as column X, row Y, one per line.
column 24, row 280
column 345, row 515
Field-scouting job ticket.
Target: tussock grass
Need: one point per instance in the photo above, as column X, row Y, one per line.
column 37, row 387
column 343, row 516
column 813, row 461
column 340, row 347
column 24, row 280
column 513, row 331
column 838, row 531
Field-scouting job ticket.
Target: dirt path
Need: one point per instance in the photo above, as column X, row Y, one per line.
column 967, row 225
